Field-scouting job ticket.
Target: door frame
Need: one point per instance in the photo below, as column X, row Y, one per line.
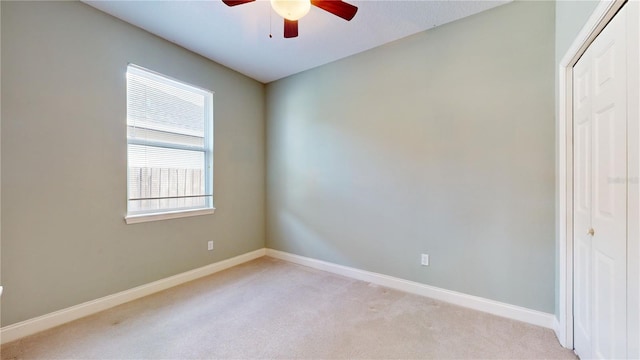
column 563, row 327
column 604, row 12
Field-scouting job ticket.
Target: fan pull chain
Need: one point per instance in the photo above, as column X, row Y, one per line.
column 270, row 14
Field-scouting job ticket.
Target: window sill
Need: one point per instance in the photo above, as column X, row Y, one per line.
column 134, row 219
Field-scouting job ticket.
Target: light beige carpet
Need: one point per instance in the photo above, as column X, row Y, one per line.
column 273, row 309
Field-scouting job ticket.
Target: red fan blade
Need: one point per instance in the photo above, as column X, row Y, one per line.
column 337, row 7
column 290, row 28
column 236, row 2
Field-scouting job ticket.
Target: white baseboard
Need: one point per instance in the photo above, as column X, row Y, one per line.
column 28, row 327
column 44, row 322
column 469, row 301
column 558, row 330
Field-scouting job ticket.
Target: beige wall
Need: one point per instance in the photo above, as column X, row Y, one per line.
column 571, row 15
column 440, row 143
column 64, row 240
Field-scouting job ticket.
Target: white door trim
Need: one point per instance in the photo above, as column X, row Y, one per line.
column 633, row 187
column 605, row 10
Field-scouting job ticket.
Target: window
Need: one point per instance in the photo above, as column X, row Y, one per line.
column 169, row 147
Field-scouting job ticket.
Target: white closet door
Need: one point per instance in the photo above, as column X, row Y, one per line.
column 601, row 212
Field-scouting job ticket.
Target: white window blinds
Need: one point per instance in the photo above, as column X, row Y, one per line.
column 170, row 142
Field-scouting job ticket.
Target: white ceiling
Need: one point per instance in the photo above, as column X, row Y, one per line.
column 238, row 37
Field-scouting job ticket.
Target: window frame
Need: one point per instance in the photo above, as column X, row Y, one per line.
column 206, row 149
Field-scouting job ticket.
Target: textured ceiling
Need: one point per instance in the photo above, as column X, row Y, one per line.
column 238, row 37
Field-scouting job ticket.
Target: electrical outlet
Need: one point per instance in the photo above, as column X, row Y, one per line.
column 424, row 260
column 210, row 245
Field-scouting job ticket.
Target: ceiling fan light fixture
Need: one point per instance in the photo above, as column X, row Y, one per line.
column 291, row 9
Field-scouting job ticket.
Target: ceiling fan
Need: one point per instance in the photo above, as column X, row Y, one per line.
column 293, row 10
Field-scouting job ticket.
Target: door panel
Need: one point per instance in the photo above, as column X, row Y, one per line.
column 609, row 217
column 600, row 173
column 605, row 163
column 604, row 302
